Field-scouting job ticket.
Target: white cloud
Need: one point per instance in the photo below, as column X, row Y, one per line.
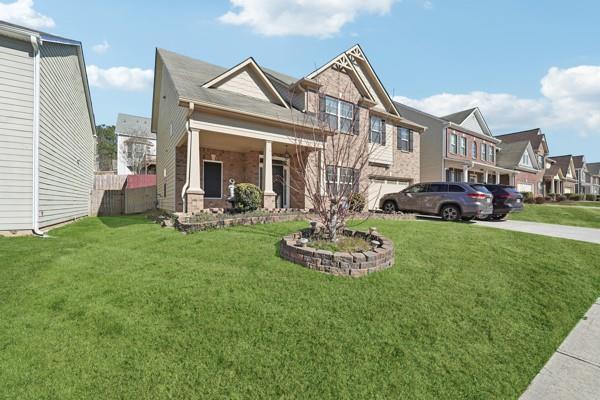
column 570, row 99
column 101, row 48
column 21, row 12
column 301, row 17
column 123, row 78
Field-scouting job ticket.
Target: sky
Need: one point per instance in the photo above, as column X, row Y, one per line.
column 525, row 64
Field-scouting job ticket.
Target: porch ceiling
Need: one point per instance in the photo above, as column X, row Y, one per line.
column 240, row 144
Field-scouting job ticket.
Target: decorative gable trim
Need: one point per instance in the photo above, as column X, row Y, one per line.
column 247, row 64
column 480, row 120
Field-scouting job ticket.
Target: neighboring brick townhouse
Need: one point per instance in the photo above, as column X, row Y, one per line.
column 214, row 124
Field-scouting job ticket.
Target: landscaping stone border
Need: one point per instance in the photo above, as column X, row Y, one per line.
column 338, row 263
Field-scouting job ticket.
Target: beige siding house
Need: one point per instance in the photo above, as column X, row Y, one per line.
column 46, row 131
column 214, row 124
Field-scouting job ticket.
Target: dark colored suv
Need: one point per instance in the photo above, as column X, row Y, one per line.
column 450, row 200
column 507, row 199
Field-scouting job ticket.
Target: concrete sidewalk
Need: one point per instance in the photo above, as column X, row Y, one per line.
column 591, row 235
column 573, row 372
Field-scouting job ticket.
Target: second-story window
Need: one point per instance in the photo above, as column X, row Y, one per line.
column 405, row 139
column 453, row 139
column 463, row 146
column 339, row 114
column 491, row 153
column 483, row 151
column 474, row 150
column 377, row 131
column 525, row 160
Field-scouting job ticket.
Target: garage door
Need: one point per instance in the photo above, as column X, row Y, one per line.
column 525, row 187
column 379, row 187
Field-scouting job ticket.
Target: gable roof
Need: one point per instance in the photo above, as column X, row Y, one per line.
column 134, row 126
column 22, row 33
column 563, row 162
column 535, row 136
column 459, row 117
column 249, row 63
column 510, row 154
column 594, row 168
column 189, row 76
column 414, row 114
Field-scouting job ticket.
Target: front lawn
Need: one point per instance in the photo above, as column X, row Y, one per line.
column 580, row 203
column 559, row 214
column 120, row 308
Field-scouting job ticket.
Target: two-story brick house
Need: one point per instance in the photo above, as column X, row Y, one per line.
column 559, row 176
column 214, row 124
column 457, row 147
column 526, row 153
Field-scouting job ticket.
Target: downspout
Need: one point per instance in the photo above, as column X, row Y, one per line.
column 186, row 185
column 35, row 43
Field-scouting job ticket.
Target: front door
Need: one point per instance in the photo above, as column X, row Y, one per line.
column 279, row 179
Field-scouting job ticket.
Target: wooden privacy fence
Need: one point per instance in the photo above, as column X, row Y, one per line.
column 123, row 194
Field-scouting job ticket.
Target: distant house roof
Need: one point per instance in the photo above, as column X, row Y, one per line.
column 594, row 168
column 562, row 163
column 578, row 162
column 134, row 126
column 535, row 136
column 511, row 154
column 459, row 117
column 413, row 114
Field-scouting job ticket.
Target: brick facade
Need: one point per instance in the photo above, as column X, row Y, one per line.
column 468, row 154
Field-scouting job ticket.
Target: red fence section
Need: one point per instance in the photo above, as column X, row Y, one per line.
column 140, row 181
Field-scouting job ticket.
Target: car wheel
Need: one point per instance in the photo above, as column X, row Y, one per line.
column 467, row 219
column 450, row 213
column 389, row 207
column 500, row 217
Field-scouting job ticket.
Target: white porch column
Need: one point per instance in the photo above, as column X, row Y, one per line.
column 553, row 186
column 465, row 174
column 194, row 192
column 268, row 193
column 497, row 178
column 486, row 176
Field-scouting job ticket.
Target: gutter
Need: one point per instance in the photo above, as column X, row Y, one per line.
column 35, row 43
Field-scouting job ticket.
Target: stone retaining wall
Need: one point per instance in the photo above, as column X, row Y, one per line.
column 338, row 263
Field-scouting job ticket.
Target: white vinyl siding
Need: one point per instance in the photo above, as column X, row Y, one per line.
column 66, row 150
column 245, row 83
column 16, row 138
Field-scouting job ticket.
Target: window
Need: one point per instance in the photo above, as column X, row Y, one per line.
column 416, row 189
column 339, row 179
column 474, row 150
column 405, row 138
column 540, row 161
column 338, row 114
column 483, row 151
column 490, row 153
column 437, row 188
column 454, row 175
column 525, row 160
column 213, row 179
column 455, row 189
column 453, row 139
column 463, row 146
column 377, row 131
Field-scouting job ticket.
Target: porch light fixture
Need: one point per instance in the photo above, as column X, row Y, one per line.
column 286, row 155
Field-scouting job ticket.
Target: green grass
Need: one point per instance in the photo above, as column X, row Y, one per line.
column 558, row 214
column 120, row 308
column 580, row 203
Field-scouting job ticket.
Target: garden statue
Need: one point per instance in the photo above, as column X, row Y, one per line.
column 231, row 197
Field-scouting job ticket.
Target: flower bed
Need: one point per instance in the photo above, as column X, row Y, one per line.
column 209, row 221
column 353, row 264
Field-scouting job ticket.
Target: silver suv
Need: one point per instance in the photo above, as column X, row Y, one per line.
column 450, row 200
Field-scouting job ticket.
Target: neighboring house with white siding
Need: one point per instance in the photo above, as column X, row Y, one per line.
column 136, row 145
column 47, row 130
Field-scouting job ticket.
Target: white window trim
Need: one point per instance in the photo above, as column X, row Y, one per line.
column 474, row 145
column 483, row 151
column 463, row 149
column 213, row 161
column 381, row 130
column 407, row 140
column 339, row 114
column 455, row 137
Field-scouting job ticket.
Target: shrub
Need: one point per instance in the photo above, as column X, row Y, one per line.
column 248, row 197
column 574, row 197
column 527, row 197
column 357, row 202
column 549, row 198
column 560, row 197
column 591, row 197
column 569, row 196
column 540, row 200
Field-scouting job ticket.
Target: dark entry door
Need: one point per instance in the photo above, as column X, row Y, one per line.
column 279, row 185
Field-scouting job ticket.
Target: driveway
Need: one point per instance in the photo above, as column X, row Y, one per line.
column 573, row 372
column 590, row 235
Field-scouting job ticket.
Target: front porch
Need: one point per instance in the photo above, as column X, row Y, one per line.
column 207, row 163
column 474, row 172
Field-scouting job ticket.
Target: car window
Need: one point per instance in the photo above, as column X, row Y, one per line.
column 480, row 188
column 510, row 189
column 416, row 189
column 493, row 189
column 437, row 187
column 456, row 189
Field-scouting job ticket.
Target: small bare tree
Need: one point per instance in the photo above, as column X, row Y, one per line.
column 139, row 153
column 332, row 152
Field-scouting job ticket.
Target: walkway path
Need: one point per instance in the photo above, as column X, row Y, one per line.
column 573, row 372
column 591, row 235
